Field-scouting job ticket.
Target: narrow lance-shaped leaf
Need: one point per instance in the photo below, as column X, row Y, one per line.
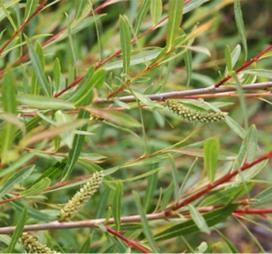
column 38, row 68
column 9, row 106
column 15, row 179
column 144, row 221
column 175, row 18
column 125, row 38
column 199, row 219
column 190, row 227
column 156, row 10
column 211, row 154
column 151, row 188
column 141, row 14
column 78, row 142
column 18, row 231
column 83, row 95
column 116, row 205
column 240, row 24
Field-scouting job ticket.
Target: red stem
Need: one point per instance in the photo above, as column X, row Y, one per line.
column 23, row 25
column 54, row 37
column 114, row 54
column 259, row 211
column 245, row 65
column 129, row 242
column 211, row 186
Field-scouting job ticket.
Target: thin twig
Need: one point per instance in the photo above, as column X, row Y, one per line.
column 23, row 25
column 113, row 55
column 245, row 65
column 54, row 37
column 211, row 186
column 124, row 219
column 192, row 92
column 129, row 242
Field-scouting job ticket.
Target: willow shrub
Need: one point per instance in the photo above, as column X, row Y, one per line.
column 138, row 126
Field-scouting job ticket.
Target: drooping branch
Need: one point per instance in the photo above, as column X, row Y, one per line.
column 192, row 92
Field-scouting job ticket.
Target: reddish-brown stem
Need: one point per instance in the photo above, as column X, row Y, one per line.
column 245, row 65
column 130, row 243
column 125, row 219
column 23, row 25
column 192, row 92
column 10, row 199
column 211, row 186
column 260, row 211
column 114, row 54
column 54, row 37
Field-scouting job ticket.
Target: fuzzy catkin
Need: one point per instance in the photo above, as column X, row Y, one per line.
column 194, row 115
column 32, row 244
column 77, row 201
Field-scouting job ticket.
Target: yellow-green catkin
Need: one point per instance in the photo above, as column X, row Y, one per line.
column 194, row 115
column 82, row 196
column 32, row 244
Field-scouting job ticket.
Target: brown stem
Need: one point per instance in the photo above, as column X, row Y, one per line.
column 245, row 65
column 211, row 186
column 114, row 54
column 23, row 25
column 191, row 92
column 124, row 219
column 54, row 37
column 129, row 242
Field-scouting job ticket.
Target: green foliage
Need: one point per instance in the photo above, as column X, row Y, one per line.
column 149, row 96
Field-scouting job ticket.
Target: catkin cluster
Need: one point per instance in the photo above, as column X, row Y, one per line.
column 77, row 201
column 194, row 115
column 32, row 244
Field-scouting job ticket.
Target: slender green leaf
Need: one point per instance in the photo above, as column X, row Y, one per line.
column 77, row 146
column 15, row 179
column 141, row 14
column 240, row 24
column 199, row 219
column 37, row 188
column 9, row 106
column 116, row 205
column 37, row 66
column 175, row 17
column 151, row 187
column 18, row 231
column 211, row 154
column 83, row 94
column 236, row 127
column 249, row 143
column 264, row 197
column 144, row 221
column 125, row 38
column 189, row 227
column 156, row 10
column 44, row 102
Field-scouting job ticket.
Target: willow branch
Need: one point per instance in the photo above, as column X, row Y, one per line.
column 130, row 243
column 192, row 92
column 224, row 179
column 114, row 54
column 124, row 219
column 245, row 65
column 23, row 25
column 53, row 37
